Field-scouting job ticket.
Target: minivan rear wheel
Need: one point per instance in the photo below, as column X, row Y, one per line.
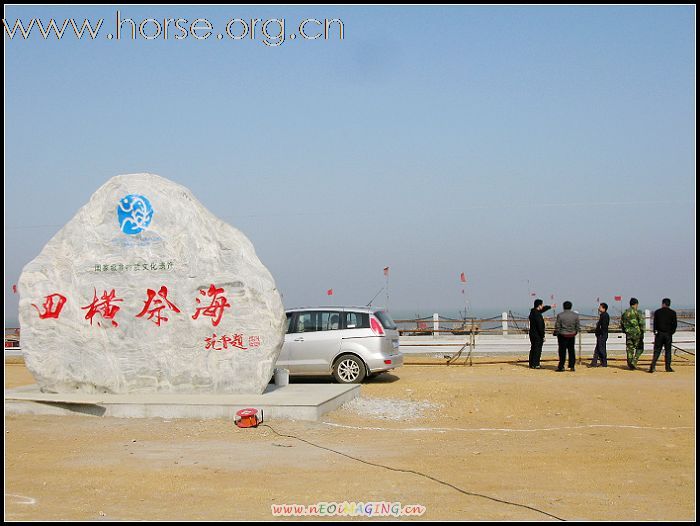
column 349, row 369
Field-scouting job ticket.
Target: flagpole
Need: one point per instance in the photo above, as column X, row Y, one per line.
column 465, row 302
column 463, row 280
column 529, row 293
column 387, row 289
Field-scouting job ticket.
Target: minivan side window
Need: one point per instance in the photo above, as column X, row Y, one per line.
column 315, row 321
column 290, row 315
column 356, row 320
column 330, row 321
column 305, row 322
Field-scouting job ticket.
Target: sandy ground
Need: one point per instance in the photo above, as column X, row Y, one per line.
column 600, row 444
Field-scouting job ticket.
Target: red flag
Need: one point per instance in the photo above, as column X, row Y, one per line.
column 14, row 289
column 618, row 298
column 386, row 271
column 330, row 292
column 462, row 278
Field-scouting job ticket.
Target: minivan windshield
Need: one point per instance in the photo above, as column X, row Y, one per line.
column 385, row 319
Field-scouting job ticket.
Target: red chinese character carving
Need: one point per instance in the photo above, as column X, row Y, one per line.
column 158, row 305
column 52, row 306
column 254, row 341
column 216, row 309
column 210, row 343
column 104, row 308
column 236, row 341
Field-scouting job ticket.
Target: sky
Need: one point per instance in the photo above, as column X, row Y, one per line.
column 545, row 150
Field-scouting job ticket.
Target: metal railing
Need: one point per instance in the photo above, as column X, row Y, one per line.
column 507, row 323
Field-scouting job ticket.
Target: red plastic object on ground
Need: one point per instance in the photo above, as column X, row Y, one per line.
column 248, row 418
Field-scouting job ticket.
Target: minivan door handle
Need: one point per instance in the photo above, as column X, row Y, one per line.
column 299, row 339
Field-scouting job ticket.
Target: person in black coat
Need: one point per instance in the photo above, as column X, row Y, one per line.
column 665, row 325
column 536, row 332
column 601, row 337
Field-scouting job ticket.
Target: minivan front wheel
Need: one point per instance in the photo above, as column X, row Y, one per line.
column 349, row 369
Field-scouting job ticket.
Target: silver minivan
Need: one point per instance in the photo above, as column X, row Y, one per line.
column 350, row 343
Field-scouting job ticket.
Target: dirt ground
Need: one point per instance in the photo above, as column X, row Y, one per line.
column 598, row 444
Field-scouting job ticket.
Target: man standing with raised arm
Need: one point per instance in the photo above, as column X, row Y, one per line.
column 536, row 332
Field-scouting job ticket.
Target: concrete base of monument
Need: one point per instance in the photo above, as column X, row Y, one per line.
column 294, row 401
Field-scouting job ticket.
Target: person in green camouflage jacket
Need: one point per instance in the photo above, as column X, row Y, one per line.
column 632, row 324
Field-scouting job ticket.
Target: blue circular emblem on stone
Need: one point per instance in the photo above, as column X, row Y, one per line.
column 134, row 213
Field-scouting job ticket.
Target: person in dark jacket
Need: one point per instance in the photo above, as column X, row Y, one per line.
column 567, row 327
column 665, row 325
column 536, row 332
column 601, row 337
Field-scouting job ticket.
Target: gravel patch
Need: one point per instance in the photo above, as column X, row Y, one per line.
column 388, row 408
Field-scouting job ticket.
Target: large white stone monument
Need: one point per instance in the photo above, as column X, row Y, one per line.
column 145, row 290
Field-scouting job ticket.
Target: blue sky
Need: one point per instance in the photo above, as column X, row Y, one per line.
column 553, row 145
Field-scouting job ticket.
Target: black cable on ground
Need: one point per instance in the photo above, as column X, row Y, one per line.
column 399, row 470
column 683, row 350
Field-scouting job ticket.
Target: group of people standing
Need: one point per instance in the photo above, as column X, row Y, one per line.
column 568, row 325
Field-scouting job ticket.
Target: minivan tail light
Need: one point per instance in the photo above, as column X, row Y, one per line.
column 376, row 326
